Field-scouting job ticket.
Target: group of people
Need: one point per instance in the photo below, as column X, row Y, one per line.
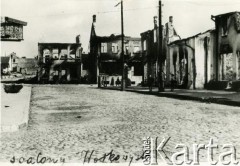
column 173, row 83
column 151, row 82
column 117, row 82
column 105, row 82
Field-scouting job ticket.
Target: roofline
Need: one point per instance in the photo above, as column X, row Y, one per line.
column 176, row 41
column 230, row 13
column 118, row 36
column 12, row 20
column 59, row 43
column 148, row 31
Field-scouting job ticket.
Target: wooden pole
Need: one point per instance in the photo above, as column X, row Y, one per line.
column 123, row 69
column 160, row 56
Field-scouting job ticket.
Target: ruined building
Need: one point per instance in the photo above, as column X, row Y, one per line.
column 206, row 60
column 60, row 62
column 192, row 60
column 150, row 52
column 228, row 46
column 106, row 59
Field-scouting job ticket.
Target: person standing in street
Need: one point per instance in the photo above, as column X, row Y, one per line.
column 150, row 83
column 112, row 81
column 173, row 82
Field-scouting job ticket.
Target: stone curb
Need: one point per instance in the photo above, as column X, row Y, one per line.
column 183, row 97
column 13, row 128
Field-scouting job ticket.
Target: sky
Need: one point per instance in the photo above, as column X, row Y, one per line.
column 62, row 20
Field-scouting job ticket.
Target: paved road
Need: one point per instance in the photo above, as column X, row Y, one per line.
column 66, row 120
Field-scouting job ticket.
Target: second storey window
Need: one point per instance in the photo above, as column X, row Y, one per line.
column 103, row 47
column 64, row 54
column 224, row 22
column 55, row 53
column 136, row 49
column 155, row 36
column 144, row 45
column 46, row 59
column 114, row 48
column 127, row 48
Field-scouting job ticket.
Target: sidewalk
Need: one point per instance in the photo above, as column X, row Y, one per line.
column 15, row 109
column 208, row 96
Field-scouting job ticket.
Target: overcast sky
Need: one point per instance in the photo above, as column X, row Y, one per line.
column 63, row 20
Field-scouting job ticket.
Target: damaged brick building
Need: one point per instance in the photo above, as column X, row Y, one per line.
column 192, row 60
column 60, row 62
column 150, row 52
column 106, row 59
column 227, row 48
column 206, row 60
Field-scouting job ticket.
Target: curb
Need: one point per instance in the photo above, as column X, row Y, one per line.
column 13, row 128
column 183, row 97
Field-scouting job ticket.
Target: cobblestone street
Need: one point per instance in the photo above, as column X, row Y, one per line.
column 68, row 119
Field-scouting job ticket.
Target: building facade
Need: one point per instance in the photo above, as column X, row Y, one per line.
column 60, row 62
column 12, row 64
column 228, row 46
column 192, row 60
column 206, row 60
column 150, row 50
column 106, row 57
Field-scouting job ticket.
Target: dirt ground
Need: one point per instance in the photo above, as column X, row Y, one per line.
column 67, row 120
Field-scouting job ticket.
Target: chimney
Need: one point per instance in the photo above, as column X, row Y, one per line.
column 155, row 21
column 94, row 18
column 171, row 19
column 94, row 21
column 78, row 39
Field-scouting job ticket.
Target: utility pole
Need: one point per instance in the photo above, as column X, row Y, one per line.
column 123, row 68
column 160, row 52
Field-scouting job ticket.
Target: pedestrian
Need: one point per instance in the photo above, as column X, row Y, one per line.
column 150, row 82
column 112, row 82
column 173, row 82
column 102, row 80
column 105, row 81
column 118, row 82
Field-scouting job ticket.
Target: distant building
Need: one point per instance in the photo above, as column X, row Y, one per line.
column 106, row 59
column 60, row 62
column 27, row 66
column 13, row 64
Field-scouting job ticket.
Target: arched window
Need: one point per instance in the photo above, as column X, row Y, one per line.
column 46, row 55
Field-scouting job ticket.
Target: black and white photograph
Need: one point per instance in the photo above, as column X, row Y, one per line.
column 120, row 82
